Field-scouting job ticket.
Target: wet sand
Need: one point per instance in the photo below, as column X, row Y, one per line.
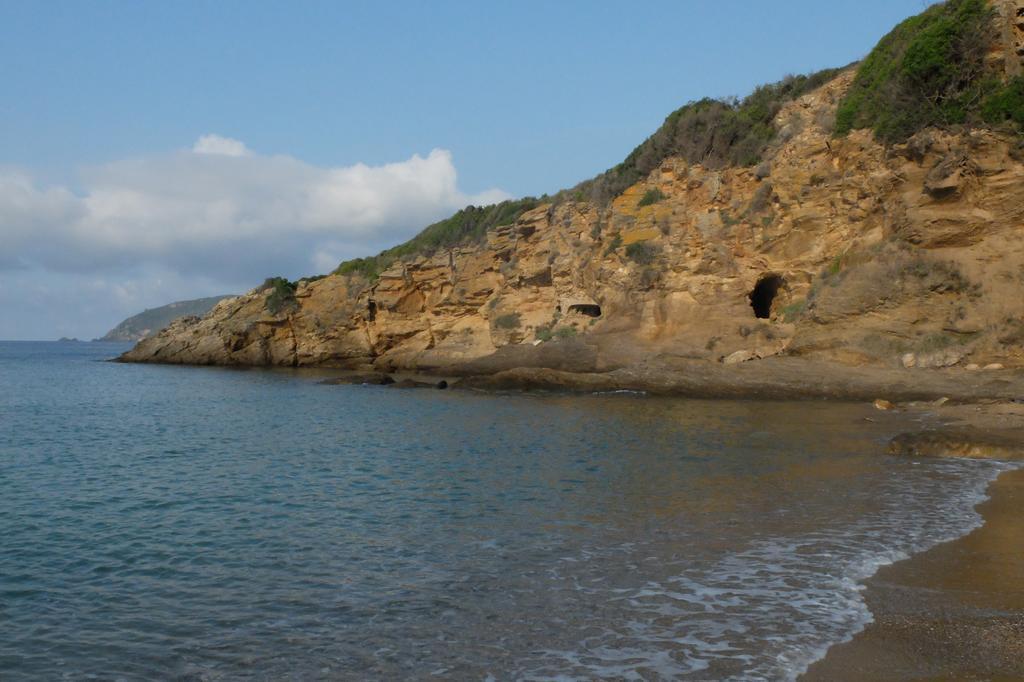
column 955, row 612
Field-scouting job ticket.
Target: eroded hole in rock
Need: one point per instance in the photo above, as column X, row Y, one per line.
column 763, row 295
column 588, row 309
column 371, row 310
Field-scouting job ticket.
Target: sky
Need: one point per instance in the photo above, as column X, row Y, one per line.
column 160, row 151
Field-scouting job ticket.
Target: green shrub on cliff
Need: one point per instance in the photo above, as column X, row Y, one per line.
column 469, row 225
column 928, row 71
column 1006, row 104
column 651, row 196
column 794, row 310
column 508, row 321
column 368, row 267
column 281, row 294
column 642, row 253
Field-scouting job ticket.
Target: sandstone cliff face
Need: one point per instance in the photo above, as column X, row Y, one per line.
column 1009, row 48
column 837, row 249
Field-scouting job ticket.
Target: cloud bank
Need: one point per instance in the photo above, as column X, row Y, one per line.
column 217, row 213
column 215, row 144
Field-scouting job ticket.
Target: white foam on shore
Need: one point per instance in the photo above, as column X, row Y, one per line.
column 964, row 505
column 772, row 609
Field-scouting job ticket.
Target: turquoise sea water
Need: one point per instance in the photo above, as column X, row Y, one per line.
column 207, row 524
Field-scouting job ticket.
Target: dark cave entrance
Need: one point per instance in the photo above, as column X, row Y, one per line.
column 588, row 309
column 371, row 310
column 763, row 295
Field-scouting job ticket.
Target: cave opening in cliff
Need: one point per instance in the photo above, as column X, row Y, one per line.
column 588, row 309
column 763, row 295
column 371, row 310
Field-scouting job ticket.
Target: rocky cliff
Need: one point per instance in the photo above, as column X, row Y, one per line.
column 840, row 250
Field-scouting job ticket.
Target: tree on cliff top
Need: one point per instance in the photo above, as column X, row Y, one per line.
column 928, row 71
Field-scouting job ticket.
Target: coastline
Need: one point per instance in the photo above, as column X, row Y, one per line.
column 955, row 611
column 787, row 378
column 777, row 378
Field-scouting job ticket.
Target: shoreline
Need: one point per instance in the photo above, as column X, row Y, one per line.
column 778, row 378
column 955, row 611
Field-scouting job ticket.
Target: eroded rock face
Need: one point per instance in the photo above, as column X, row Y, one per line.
column 1008, row 51
column 875, row 253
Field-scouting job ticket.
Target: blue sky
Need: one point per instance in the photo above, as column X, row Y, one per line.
column 390, row 115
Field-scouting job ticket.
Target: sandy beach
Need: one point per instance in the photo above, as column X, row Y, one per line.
column 955, row 612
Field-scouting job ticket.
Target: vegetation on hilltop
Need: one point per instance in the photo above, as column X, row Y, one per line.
column 469, row 225
column 715, row 133
column 931, row 71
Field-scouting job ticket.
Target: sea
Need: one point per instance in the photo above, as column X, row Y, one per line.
column 186, row 523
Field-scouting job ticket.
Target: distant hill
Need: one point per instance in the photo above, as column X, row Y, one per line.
column 151, row 321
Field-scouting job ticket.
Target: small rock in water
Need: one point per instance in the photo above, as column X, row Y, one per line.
column 883, row 404
column 993, row 365
column 940, row 402
column 973, row 367
column 909, row 360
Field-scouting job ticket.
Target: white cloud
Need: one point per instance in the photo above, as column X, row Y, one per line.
column 215, row 144
column 221, row 213
column 163, row 209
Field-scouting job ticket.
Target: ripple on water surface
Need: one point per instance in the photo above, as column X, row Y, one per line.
column 205, row 523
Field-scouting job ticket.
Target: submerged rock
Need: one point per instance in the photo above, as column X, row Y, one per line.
column 964, row 442
column 368, row 378
column 421, row 383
